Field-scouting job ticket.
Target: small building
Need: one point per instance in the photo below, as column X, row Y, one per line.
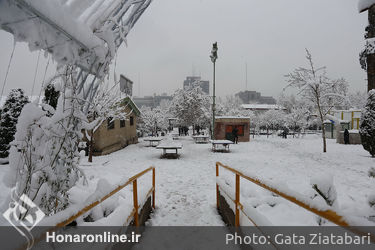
column 353, row 116
column 224, row 126
column 332, row 129
column 113, row 135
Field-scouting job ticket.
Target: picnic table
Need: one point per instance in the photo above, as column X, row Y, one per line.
column 224, row 143
column 152, row 140
column 201, row 138
column 175, row 136
column 170, row 146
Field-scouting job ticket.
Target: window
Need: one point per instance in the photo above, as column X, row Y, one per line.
column 122, row 123
column 110, row 123
column 131, row 120
column 240, row 128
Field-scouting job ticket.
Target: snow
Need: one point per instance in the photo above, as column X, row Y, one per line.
column 365, row 4
column 262, row 106
column 232, row 117
column 185, row 187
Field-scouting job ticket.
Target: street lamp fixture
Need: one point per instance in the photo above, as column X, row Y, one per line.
column 213, row 57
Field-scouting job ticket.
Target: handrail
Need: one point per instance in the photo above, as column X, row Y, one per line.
column 134, row 212
column 133, row 180
column 327, row 214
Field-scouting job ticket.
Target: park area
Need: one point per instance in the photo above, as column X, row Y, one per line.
column 185, row 187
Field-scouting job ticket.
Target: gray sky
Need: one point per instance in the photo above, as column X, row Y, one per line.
column 173, row 39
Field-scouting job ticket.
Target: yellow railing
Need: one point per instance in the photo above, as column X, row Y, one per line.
column 134, row 213
column 135, row 198
column 327, row 214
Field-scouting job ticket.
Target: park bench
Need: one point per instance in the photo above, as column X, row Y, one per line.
column 175, row 136
column 201, row 138
column 170, row 146
column 153, row 140
column 221, row 145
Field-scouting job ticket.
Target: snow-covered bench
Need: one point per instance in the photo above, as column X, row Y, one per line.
column 220, row 145
column 201, row 138
column 175, row 136
column 153, row 140
column 170, row 146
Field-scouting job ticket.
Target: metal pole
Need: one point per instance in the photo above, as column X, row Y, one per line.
column 213, row 107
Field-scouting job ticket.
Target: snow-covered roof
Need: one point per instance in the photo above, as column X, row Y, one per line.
column 232, row 117
column 262, row 106
column 364, row 5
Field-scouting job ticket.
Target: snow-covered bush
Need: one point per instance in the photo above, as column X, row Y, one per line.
column 323, row 185
column 367, row 126
column 371, row 200
column 325, row 192
column 11, row 110
column 43, row 160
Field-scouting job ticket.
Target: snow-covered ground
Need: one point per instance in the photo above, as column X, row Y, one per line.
column 185, row 187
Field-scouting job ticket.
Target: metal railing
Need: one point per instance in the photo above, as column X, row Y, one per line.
column 134, row 214
column 328, row 214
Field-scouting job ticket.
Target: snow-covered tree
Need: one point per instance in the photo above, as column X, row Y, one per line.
column 152, row 120
column 367, row 126
column 230, row 106
column 191, row 107
column 358, row 99
column 287, row 101
column 11, row 110
column 51, row 95
column 316, row 87
column 272, row 120
column 44, row 158
column 296, row 120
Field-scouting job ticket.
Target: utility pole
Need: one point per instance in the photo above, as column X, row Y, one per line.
column 213, row 57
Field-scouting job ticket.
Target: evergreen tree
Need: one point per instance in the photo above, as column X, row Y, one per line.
column 9, row 117
column 51, row 95
column 367, row 127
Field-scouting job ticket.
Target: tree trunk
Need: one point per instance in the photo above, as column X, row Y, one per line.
column 91, row 145
column 321, row 120
column 371, row 58
column 324, row 139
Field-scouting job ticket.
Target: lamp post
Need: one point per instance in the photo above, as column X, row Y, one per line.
column 213, row 57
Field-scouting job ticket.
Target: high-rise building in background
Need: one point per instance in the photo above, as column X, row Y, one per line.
column 152, row 101
column 193, row 81
column 248, row 97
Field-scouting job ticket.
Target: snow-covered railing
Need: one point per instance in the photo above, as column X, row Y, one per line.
column 134, row 214
column 328, row 214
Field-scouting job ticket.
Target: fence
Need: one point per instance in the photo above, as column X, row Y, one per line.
column 328, row 214
column 134, row 214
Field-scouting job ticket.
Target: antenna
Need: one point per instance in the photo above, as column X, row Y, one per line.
column 246, row 75
column 139, row 84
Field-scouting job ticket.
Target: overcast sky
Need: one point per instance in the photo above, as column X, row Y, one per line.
column 173, row 39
